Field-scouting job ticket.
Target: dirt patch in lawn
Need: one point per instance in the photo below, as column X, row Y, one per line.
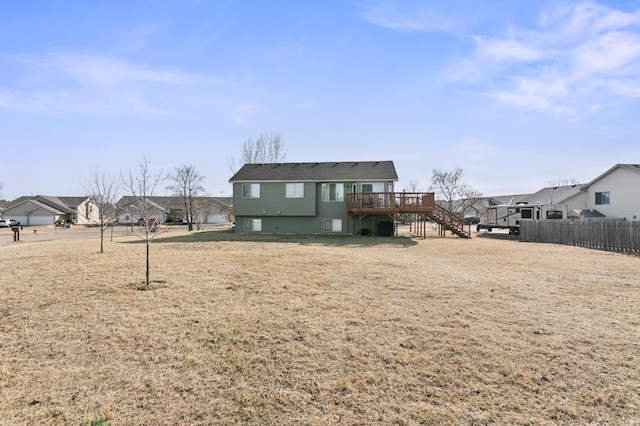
column 270, row 330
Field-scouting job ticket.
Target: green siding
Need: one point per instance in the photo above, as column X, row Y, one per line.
column 282, row 215
column 272, row 201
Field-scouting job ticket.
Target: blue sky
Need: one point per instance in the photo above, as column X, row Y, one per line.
column 517, row 94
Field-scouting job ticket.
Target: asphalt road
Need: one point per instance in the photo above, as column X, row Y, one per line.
column 31, row 234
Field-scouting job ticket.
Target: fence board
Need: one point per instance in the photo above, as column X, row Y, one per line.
column 617, row 235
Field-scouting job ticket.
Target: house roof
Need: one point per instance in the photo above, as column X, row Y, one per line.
column 548, row 195
column 553, row 194
column 631, row 167
column 166, row 203
column 585, row 214
column 331, row 171
column 504, row 199
column 60, row 204
column 161, row 203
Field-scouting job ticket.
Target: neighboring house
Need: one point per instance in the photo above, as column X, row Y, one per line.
column 306, row 198
column 128, row 212
column 170, row 209
column 42, row 210
column 615, row 193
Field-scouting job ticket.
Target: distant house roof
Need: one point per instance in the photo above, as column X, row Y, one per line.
column 59, row 204
column 166, row 203
column 129, row 200
column 553, row 194
column 550, row 194
column 585, row 214
column 504, row 199
column 332, row 171
column 630, row 167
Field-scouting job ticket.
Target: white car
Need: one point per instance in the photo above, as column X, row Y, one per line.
column 7, row 223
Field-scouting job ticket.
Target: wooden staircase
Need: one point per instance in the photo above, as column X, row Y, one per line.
column 395, row 203
column 449, row 221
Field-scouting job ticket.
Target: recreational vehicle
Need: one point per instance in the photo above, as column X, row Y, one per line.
column 509, row 216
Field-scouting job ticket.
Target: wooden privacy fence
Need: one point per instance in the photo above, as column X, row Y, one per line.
column 618, row 235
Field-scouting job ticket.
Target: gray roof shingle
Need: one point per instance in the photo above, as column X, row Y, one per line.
column 332, row 171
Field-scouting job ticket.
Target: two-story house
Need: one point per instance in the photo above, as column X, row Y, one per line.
column 306, row 198
column 615, row 193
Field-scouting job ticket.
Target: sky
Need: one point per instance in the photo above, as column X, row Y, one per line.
column 518, row 94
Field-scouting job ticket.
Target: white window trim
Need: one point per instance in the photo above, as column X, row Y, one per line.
column 329, row 193
column 256, row 225
column 254, row 192
column 336, row 225
column 602, row 198
column 297, row 189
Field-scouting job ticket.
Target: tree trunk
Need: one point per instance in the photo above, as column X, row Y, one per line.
column 148, row 244
column 101, row 238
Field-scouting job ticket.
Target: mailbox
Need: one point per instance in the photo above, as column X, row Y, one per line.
column 16, row 233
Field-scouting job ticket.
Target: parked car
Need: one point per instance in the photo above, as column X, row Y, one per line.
column 7, row 223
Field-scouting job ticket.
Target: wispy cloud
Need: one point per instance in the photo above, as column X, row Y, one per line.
column 570, row 56
column 107, row 71
column 575, row 56
column 91, row 84
column 408, row 18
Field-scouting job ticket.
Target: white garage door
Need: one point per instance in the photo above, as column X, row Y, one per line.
column 217, row 218
column 21, row 219
column 39, row 221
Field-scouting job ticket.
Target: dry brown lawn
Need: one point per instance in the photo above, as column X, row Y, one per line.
column 317, row 331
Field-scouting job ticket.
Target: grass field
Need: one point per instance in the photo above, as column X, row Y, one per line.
column 317, row 331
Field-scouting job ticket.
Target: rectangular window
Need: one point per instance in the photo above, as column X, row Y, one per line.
column 251, row 190
column 554, row 214
column 332, row 225
column 526, row 213
column 253, row 225
column 373, row 187
column 602, row 197
column 294, row 190
column 332, row 192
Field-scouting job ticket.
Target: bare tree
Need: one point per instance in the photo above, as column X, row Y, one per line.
column 103, row 190
column 412, row 186
column 187, row 184
column 142, row 187
column 563, row 182
column 456, row 195
column 264, row 149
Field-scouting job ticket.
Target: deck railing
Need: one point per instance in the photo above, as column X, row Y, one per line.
column 399, row 202
column 422, row 203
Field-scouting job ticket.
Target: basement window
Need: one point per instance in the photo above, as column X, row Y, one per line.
column 332, row 225
column 253, row 225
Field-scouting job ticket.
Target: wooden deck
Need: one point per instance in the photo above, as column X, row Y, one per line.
column 396, row 203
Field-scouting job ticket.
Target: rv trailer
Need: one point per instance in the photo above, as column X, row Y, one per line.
column 510, row 216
